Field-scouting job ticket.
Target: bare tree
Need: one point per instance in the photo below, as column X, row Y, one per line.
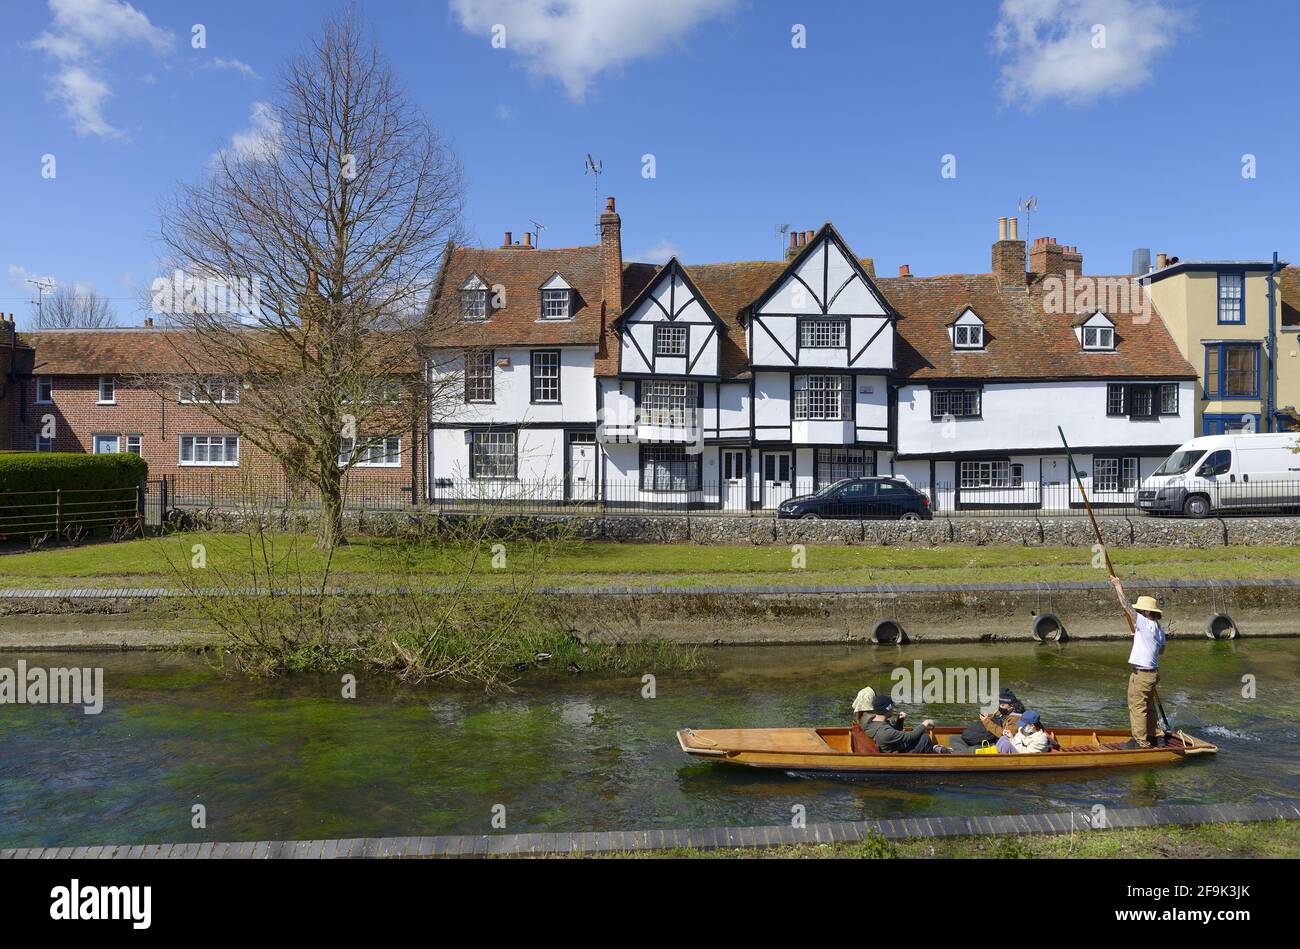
column 303, row 267
column 70, row 308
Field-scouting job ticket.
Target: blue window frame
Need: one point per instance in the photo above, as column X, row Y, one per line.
column 1232, row 298
column 1225, row 423
column 1231, row 370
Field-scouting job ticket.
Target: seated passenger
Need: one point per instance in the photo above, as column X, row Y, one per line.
column 987, row 729
column 890, row 737
column 862, row 703
column 1029, row 739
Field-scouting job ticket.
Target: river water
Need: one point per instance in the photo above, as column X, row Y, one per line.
column 293, row 759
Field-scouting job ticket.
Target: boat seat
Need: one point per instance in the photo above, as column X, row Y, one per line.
column 860, row 742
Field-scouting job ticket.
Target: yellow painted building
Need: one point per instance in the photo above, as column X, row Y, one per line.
column 1219, row 316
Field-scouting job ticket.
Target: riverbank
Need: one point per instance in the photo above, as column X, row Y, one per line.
column 791, row 614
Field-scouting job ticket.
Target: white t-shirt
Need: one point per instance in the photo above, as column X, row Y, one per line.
column 1148, row 642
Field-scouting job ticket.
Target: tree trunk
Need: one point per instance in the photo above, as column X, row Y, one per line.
column 329, row 533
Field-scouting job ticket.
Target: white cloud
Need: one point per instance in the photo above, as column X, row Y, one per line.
column 576, row 41
column 19, row 275
column 1055, row 48
column 245, row 70
column 260, row 141
column 658, row 253
column 81, row 33
column 504, row 112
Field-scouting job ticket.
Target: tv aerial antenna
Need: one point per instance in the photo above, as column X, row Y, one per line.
column 594, row 169
column 1029, row 207
column 538, row 227
column 781, row 231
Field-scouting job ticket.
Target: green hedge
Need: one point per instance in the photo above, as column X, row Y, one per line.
column 49, row 492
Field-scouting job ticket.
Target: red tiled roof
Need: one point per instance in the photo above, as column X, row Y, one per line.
column 1023, row 340
column 105, row 351
column 522, row 273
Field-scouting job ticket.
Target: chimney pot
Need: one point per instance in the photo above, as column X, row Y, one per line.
column 148, row 322
column 1012, row 223
column 609, row 204
column 508, row 241
column 1161, row 261
column 807, row 236
column 1002, row 228
column 904, row 270
column 794, row 239
column 528, row 238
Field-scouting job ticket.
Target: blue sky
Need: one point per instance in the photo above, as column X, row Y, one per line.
column 1137, row 142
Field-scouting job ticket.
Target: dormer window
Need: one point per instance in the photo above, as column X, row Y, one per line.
column 557, row 299
column 1096, row 333
column 473, row 299
column 1098, row 337
column 967, row 331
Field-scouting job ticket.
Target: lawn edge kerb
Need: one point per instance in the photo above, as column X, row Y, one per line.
column 669, row 841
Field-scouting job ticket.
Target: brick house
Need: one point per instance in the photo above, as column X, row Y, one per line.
column 85, row 390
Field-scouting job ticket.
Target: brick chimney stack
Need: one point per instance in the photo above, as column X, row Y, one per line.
column 793, row 250
column 1009, row 255
column 611, row 258
column 1047, row 258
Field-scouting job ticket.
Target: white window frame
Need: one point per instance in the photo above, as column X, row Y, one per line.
column 226, row 387
column 111, row 382
column 544, row 376
column 822, row 397
column 990, row 474
column 94, row 443
column 677, row 334
column 138, row 441
column 46, row 382
column 1104, row 338
column 974, row 333
column 1234, row 300
column 480, row 378
column 386, row 448
column 823, row 334
column 474, row 299
column 208, row 441
column 669, row 403
column 557, row 304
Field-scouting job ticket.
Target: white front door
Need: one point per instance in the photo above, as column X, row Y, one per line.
column 735, row 495
column 778, row 467
column 582, row 471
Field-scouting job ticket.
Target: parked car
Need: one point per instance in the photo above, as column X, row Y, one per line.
column 1225, row 473
column 889, row 498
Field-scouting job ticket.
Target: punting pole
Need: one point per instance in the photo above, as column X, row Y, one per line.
column 1110, row 567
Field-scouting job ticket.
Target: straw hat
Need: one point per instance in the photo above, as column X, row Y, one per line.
column 1148, row 604
column 864, row 700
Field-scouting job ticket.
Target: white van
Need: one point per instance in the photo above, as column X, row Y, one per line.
column 1226, row 473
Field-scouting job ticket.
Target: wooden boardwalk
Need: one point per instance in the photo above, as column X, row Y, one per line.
column 711, row 838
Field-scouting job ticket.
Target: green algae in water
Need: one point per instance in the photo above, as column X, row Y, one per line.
column 291, row 758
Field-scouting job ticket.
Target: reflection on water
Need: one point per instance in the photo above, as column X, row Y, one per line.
column 293, row 759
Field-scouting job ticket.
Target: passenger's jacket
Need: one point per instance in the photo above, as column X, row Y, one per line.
column 888, row 736
column 1032, row 743
column 977, row 734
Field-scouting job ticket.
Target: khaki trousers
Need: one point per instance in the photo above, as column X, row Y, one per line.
column 1142, row 706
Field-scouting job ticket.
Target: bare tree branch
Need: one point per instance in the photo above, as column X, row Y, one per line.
column 303, row 270
column 70, row 308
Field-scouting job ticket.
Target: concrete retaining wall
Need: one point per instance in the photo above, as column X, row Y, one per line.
column 720, row 530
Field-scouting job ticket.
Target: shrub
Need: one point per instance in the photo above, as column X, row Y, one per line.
column 54, row 492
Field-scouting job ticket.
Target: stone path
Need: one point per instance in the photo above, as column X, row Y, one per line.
column 709, row 838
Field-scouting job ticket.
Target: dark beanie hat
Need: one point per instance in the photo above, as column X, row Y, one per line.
column 883, row 703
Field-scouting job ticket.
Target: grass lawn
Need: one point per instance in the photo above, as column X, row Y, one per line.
column 1265, row 839
column 374, row 562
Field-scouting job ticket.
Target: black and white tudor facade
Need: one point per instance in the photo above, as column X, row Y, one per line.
column 739, row 385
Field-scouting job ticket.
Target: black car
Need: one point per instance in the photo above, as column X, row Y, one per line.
column 861, row 498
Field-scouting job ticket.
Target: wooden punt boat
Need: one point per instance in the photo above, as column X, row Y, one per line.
column 828, row 751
